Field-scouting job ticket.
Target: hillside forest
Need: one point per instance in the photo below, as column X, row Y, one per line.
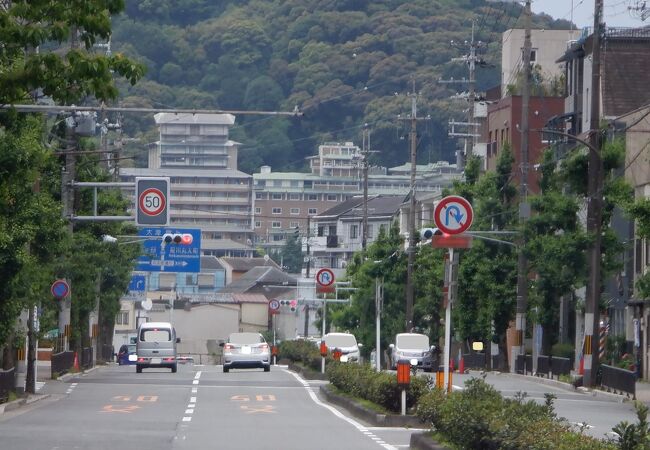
column 344, row 63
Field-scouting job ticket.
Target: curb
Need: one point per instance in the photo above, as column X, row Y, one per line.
column 618, row 398
column 422, row 441
column 68, row 375
column 378, row 420
column 307, row 374
column 32, row 398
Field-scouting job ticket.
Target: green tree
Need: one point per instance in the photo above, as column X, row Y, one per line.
column 291, row 253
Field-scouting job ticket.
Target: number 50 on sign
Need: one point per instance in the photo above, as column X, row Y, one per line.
column 152, row 201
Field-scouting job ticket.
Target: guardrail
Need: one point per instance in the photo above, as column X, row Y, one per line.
column 618, row 380
column 560, row 366
column 7, row 383
column 61, row 363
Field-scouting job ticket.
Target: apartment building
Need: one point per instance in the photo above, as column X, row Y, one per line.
column 284, row 200
column 207, row 190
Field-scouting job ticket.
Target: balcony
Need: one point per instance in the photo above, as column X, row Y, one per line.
column 332, row 241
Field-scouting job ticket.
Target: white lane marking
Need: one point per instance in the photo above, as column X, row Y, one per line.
column 396, row 429
column 192, row 399
column 335, row 411
column 195, row 382
column 198, row 375
column 187, row 419
column 189, row 411
column 194, row 390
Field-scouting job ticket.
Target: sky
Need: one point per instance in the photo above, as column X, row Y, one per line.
column 616, row 13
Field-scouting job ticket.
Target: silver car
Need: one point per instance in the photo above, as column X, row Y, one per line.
column 414, row 347
column 346, row 343
column 246, row 350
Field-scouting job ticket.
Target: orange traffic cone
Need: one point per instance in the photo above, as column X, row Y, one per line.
column 75, row 364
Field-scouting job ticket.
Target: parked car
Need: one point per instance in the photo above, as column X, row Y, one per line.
column 246, row 350
column 414, row 347
column 127, row 355
column 156, row 346
column 345, row 342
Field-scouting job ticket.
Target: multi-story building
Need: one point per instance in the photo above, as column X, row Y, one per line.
column 339, row 229
column 547, row 46
column 285, row 200
column 207, row 190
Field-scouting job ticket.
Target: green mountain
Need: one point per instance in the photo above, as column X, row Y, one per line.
column 344, row 63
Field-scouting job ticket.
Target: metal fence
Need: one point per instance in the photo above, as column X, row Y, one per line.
column 475, row 361
column 618, row 380
column 61, row 363
column 7, row 383
column 107, row 353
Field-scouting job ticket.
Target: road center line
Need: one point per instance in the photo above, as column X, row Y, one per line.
column 198, row 375
column 195, row 382
column 192, row 399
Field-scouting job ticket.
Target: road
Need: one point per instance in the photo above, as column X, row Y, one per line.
column 599, row 413
column 200, row 407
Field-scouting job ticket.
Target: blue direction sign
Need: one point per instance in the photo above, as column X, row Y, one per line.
column 137, row 284
column 168, row 249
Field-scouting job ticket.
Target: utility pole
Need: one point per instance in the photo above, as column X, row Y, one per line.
column 594, row 212
column 364, row 161
column 518, row 347
column 411, row 222
column 470, row 135
column 308, row 234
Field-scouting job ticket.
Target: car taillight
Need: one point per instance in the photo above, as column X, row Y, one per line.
column 264, row 347
column 168, row 359
column 140, row 359
column 227, row 347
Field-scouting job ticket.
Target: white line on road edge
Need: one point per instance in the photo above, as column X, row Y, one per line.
column 335, row 411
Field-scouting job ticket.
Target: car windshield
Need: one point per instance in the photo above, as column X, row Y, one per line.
column 340, row 340
column 246, row 338
column 417, row 341
column 155, row 335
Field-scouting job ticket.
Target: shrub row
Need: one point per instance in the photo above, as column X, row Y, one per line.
column 480, row 418
column 301, row 351
column 360, row 380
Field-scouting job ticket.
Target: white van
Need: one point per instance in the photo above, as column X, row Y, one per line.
column 156, row 346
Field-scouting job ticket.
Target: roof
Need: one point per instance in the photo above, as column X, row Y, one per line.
column 182, row 172
column 223, row 244
column 341, row 208
column 260, row 276
column 383, row 205
column 246, row 264
column 209, row 262
column 204, row 119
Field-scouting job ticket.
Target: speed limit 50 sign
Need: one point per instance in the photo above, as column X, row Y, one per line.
column 152, row 201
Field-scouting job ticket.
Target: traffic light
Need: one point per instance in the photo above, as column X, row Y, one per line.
column 177, row 238
column 289, row 303
column 428, row 233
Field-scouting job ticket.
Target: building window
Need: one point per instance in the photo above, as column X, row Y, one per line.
column 276, row 225
column 313, row 197
column 276, row 196
column 258, row 224
column 122, row 318
column 331, row 197
column 294, row 225
column 278, row 237
column 295, row 210
column 294, row 196
column 313, row 211
column 260, row 195
column 354, row 231
column 277, row 210
column 258, row 210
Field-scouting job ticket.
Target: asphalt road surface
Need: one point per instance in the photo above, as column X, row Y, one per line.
column 200, row 407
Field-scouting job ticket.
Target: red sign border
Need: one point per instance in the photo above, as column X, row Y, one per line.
column 318, row 277
column 56, row 283
column 163, row 197
column 274, row 310
column 457, row 199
